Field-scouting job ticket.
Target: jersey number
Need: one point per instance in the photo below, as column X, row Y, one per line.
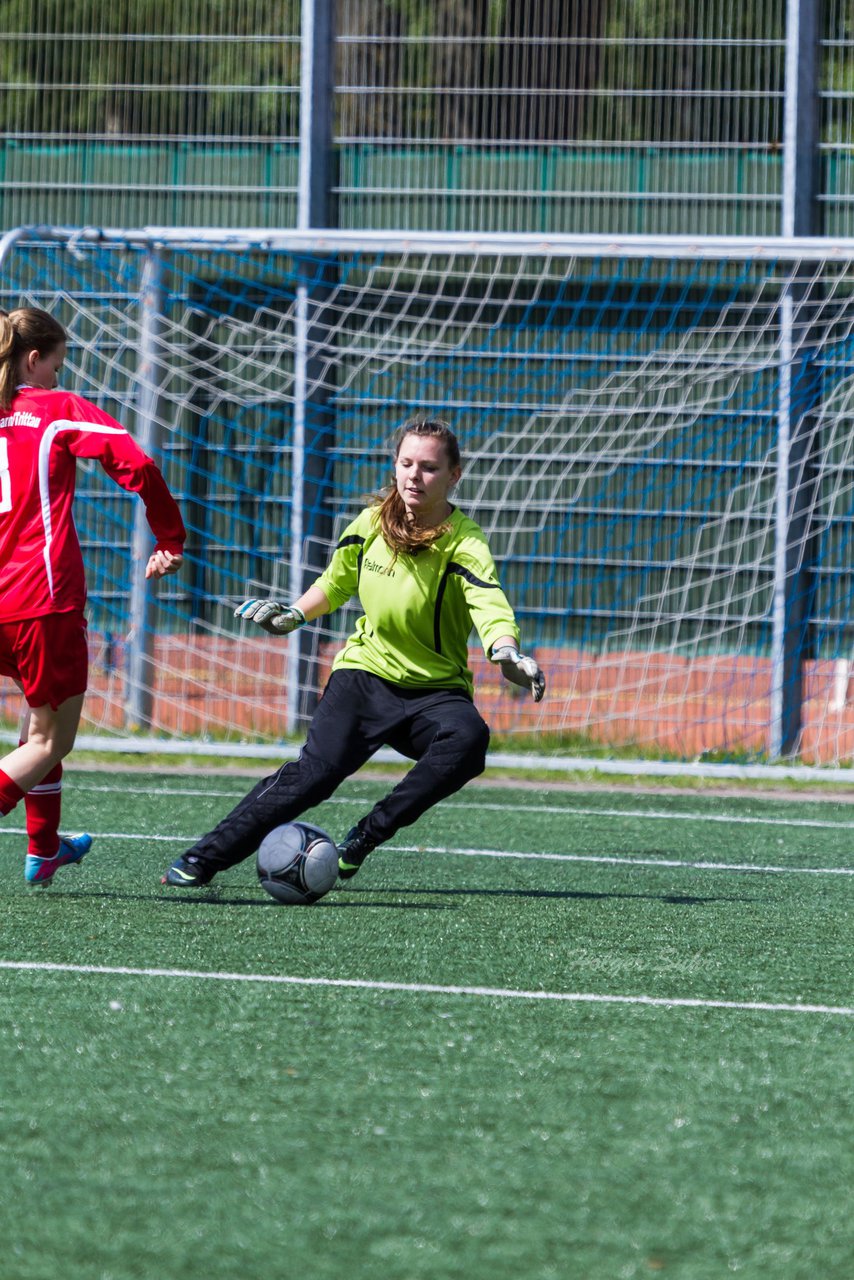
column 5, row 477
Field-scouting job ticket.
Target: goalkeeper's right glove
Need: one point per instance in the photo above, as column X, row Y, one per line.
column 520, row 670
column 278, row 619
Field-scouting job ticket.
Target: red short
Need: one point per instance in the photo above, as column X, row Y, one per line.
column 48, row 655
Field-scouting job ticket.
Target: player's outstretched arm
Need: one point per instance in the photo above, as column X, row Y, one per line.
column 518, row 669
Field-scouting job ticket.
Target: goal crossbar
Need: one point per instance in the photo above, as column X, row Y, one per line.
column 806, row 249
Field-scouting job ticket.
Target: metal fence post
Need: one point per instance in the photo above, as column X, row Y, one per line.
column 140, row 666
column 314, row 425
column 799, row 389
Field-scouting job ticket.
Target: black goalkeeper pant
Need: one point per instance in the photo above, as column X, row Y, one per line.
column 359, row 713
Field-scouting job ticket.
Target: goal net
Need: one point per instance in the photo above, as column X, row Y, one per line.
column 657, row 438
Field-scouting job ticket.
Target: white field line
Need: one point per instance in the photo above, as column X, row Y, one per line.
column 425, row 988
column 668, row 815
column 454, row 852
column 657, row 815
column 613, row 859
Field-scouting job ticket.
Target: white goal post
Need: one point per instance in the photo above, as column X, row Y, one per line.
column 657, row 437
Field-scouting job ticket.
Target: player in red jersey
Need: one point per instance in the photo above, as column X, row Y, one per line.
column 43, row 431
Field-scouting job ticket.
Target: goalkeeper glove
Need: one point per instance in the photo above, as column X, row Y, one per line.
column 520, row 670
column 278, row 619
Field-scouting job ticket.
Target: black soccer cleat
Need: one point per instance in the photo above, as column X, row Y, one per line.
column 352, row 852
column 187, row 873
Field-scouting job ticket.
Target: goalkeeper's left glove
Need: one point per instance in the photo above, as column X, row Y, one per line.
column 520, row 670
column 278, row 619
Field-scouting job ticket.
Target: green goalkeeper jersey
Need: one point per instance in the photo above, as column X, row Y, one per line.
column 419, row 611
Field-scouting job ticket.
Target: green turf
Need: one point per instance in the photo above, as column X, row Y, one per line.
column 181, row 1127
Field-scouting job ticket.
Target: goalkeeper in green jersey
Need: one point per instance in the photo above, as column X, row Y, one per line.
column 424, row 575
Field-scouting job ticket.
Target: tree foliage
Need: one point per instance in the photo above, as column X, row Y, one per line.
column 493, row 70
column 148, row 67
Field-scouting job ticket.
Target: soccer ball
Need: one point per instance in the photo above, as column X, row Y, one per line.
column 297, row 863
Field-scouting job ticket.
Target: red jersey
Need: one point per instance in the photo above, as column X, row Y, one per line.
column 41, row 437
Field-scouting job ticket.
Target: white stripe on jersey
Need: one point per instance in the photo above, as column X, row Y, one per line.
column 61, row 424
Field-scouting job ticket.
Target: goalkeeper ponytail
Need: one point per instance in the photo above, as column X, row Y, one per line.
column 27, row 329
column 399, row 531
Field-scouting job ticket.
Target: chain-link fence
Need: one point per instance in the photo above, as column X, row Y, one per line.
column 603, row 115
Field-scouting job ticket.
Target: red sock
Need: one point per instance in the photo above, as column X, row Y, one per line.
column 44, row 806
column 10, row 793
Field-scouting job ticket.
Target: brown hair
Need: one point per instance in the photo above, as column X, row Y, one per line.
column 27, row 329
column 399, row 530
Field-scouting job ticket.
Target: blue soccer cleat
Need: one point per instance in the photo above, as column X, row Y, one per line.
column 71, row 849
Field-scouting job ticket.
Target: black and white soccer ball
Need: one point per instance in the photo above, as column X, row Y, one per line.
column 297, row 863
